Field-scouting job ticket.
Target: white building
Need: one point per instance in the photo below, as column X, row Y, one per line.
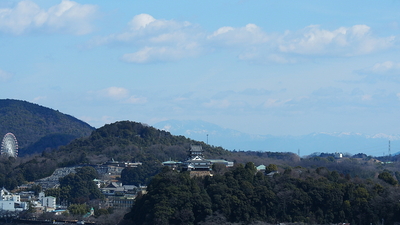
column 47, row 201
column 338, row 155
column 11, row 202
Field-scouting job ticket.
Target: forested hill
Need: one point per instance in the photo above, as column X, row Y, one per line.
column 121, row 141
column 130, row 141
column 37, row 128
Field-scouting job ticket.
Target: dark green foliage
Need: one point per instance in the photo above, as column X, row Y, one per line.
column 141, row 174
column 48, row 142
column 387, row 177
column 271, row 168
column 78, row 209
column 78, row 187
column 173, row 198
column 241, row 195
column 30, row 123
column 15, row 171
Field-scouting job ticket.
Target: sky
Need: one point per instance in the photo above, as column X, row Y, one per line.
column 256, row 66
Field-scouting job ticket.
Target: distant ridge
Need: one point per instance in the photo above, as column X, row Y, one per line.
column 324, row 142
column 38, row 128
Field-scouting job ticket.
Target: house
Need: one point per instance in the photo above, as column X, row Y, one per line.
column 172, row 164
column 11, row 202
column 117, row 189
column 261, row 168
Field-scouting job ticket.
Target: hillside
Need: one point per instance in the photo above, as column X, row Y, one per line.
column 121, row 141
column 129, row 141
column 38, row 128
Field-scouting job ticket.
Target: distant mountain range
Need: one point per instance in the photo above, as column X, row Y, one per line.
column 38, row 128
column 353, row 143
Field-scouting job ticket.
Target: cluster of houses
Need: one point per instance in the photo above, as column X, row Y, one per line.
column 24, row 200
column 117, row 195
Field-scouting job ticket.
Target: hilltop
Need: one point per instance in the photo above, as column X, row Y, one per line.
column 130, row 141
column 38, row 128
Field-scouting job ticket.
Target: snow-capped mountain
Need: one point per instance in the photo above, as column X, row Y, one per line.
column 345, row 142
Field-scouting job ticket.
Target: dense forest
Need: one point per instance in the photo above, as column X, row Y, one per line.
column 38, row 128
column 243, row 195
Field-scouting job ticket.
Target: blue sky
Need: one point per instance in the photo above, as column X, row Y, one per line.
column 261, row 67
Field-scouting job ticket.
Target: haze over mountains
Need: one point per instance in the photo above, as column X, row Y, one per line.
column 38, row 128
column 353, row 143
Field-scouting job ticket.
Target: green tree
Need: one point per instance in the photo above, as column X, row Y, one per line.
column 79, row 187
column 78, row 209
column 271, row 168
column 387, row 177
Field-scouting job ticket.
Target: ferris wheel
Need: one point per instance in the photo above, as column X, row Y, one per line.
column 9, row 145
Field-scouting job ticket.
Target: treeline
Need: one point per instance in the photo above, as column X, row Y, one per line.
column 243, row 195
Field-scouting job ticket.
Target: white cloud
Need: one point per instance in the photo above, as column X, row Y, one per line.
column 119, row 94
column 250, row 34
column 344, row 41
column 115, row 92
column 66, row 17
column 384, row 71
column 158, row 40
column 164, row 53
column 141, row 21
column 5, row 76
column 388, row 67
